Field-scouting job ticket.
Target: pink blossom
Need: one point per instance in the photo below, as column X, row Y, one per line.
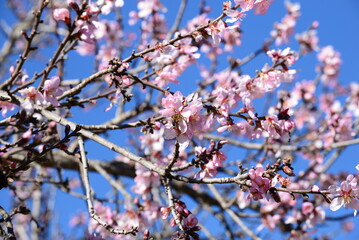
column 108, row 5
column 33, row 96
column 210, row 159
column 197, row 21
column 270, row 79
column 190, row 221
column 217, row 29
column 186, row 48
column 304, row 90
column 248, row 89
column 113, row 99
column 315, row 188
column 272, row 127
column 165, row 212
column 331, row 65
column 353, row 104
column 246, row 5
column 5, row 107
column 261, row 6
column 184, row 116
column 308, row 40
column 232, row 38
column 164, row 54
column 79, row 219
column 313, row 217
column 27, row 135
column 348, row 226
column 242, row 199
column 344, row 127
column 287, row 55
column 133, row 18
column 152, row 143
column 147, row 7
column 151, row 212
column 128, row 220
column 259, row 184
column 52, row 90
column 167, row 75
column 271, row 221
column 74, row 183
column 208, row 170
column 230, row 126
column 85, row 48
column 286, row 27
column 87, row 23
column 234, row 15
column 62, row 14
column 307, row 208
column 346, row 195
column 144, row 180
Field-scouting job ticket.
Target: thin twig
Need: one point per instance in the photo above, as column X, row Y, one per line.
column 116, row 184
column 177, row 20
column 89, row 200
column 166, row 184
column 8, row 224
column 232, row 214
column 175, row 157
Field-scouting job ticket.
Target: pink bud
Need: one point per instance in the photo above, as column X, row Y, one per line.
column 315, row 188
column 315, row 24
column 146, row 234
column 307, row 208
column 62, row 14
column 11, row 69
column 27, row 135
column 288, row 171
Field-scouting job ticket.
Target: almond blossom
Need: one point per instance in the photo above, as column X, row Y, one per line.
column 209, row 159
column 261, row 6
column 259, row 184
column 62, row 14
column 346, row 195
column 184, row 116
column 246, row 5
column 331, row 65
column 217, row 29
column 289, row 57
column 108, row 5
column 285, row 28
column 5, row 107
column 33, row 96
column 309, row 39
column 147, row 7
column 52, row 90
column 234, row 15
column 88, row 23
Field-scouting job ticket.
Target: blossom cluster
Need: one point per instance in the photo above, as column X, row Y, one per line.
column 188, row 220
column 293, row 122
column 45, row 98
column 184, row 117
column 209, row 159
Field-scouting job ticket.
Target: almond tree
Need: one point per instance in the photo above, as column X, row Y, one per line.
column 186, row 144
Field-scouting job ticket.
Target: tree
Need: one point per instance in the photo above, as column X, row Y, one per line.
column 187, row 138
